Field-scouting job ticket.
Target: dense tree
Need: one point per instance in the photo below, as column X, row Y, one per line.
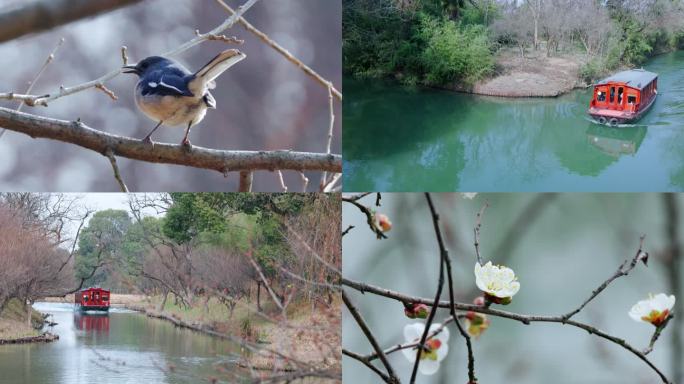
column 99, row 244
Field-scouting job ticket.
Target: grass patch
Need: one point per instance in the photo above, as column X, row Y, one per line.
column 13, row 321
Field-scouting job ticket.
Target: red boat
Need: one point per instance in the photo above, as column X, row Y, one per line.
column 623, row 97
column 92, row 299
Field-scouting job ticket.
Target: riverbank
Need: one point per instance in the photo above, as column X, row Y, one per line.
column 309, row 337
column 534, row 75
column 14, row 328
column 114, row 299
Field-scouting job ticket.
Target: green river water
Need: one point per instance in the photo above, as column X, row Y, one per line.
column 119, row 347
column 406, row 139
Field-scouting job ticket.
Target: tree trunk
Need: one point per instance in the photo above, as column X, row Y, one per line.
column 259, row 296
column 163, row 303
column 29, row 308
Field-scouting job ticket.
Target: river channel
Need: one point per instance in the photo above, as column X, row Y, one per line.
column 400, row 138
column 119, row 347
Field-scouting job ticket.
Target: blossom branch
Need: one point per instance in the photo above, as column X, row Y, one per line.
column 623, row 270
column 369, row 335
column 366, row 211
column 444, row 255
column 476, row 231
column 525, row 319
column 656, row 334
column 438, row 294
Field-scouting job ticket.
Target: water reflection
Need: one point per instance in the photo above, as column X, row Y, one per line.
column 98, row 322
column 616, row 141
column 114, row 348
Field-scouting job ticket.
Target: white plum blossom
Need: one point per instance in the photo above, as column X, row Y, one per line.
column 497, row 282
column 436, row 347
column 654, row 310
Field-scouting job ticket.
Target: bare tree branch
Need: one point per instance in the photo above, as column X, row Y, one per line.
column 249, row 27
column 40, row 15
column 77, row 133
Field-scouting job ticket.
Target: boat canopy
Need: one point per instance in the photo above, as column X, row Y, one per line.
column 636, row 78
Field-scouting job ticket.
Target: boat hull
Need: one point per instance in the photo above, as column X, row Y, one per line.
column 614, row 117
column 99, row 308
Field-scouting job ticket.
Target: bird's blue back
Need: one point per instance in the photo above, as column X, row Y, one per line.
column 164, row 77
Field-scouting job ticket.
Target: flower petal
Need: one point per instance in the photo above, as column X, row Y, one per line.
column 410, row 354
column 413, row 332
column 442, row 352
column 428, row 367
column 442, row 336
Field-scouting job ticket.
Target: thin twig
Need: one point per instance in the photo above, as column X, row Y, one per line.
column 305, row 181
column 115, row 168
column 33, row 82
column 623, row 270
column 367, row 363
column 107, row 91
column 229, row 22
column 369, row 215
column 281, row 180
column 476, row 230
column 349, row 228
column 331, row 185
column 249, row 27
column 124, row 55
column 444, row 254
column 371, row 339
column 331, row 127
column 656, row 335
column 433, row 309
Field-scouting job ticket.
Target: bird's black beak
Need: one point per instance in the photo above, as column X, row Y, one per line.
column 130, row 69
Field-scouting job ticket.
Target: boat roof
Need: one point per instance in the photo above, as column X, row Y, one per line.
column 637, row 78
column 93, row 288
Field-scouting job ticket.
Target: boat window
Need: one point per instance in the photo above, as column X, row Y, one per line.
column 620, row 92
column 612, row 95
column 601, row 95
column 631, row 99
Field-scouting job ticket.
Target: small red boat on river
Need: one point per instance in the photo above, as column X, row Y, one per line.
column 623, row 97
column 92, row 299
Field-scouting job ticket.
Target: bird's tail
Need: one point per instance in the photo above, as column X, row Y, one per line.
column 214, row 68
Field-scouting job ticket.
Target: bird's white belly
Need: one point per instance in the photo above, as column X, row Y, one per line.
column 172, row 110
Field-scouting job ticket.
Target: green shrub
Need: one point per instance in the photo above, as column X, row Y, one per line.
column 455, row 52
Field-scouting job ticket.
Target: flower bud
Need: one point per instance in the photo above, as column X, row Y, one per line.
column 382, row 222
column 416, row 310
column 479, row 301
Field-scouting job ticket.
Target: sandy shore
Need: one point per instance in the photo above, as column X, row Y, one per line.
column 533, row 76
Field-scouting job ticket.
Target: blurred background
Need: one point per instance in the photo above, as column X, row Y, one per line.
column 561, row 247
column 264, row 102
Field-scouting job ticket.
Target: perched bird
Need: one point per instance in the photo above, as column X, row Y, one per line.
column 170, row 94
